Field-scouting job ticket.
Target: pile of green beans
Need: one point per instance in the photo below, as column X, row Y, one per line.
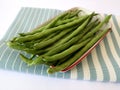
column 62, row 40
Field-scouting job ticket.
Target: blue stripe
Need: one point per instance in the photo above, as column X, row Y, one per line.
column 79, row 71
column 44, row 71
column 102, row 63
column 38, row 69
column 60, row 75
column 4, row 57
column 67, row 74
column 93, row 76
column 36, row 17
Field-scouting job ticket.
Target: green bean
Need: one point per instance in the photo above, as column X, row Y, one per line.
column 46, row 49
column 18, row 46
column 25, row 59
column 30, row 44
column 66, row 52
column 72, row 13
column 69, row 12
column 59, row 62
column 97, row 27
column 65, row 21
column 52, row 40
column 36, row 30
column 75, row 39
column 39, row 61
column 30, row 62
column 33, row 51
column 78, row 30
column 75, row 13
column 47, row 32
column 78, row 54
column 15, row 45
column 52, row 23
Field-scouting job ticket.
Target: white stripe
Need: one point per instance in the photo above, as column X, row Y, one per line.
column 117, row 37
column 34, row 71
column 8, row 58
column 2, row 44
column 107, row 62
column 27, row 70
column 21, row 64
column 13, row 64
column 44, row 14
column 63, row 75
column 86, row 70
column 48, row 15
column 26, row 24
column 42, row 69
column 113, row 51
column 56, row 75
column 99, row 72
column 38, row 18
column 118, row 20
column 74, row 73
column 3, row 53
column 31, row 23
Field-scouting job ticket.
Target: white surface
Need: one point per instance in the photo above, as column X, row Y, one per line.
column 18, row 81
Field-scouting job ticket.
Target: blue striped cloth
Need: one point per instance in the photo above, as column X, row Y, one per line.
column 103, row 64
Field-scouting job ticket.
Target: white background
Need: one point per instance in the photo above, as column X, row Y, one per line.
column 10, row 80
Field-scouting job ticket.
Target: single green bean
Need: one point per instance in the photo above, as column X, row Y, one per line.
column 36, row 30
column 16, row 45
column 72, row 13
column 60, row 22
column 25, row 59
column 54, row 21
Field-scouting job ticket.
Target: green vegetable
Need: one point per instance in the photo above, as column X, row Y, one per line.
column 61, row 47
column 78, row 54
column 107, row 18
column 52, row 40
column 66, row 52
column 51, row 30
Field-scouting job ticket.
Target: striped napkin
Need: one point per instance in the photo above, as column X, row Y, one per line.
column 103, row 64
